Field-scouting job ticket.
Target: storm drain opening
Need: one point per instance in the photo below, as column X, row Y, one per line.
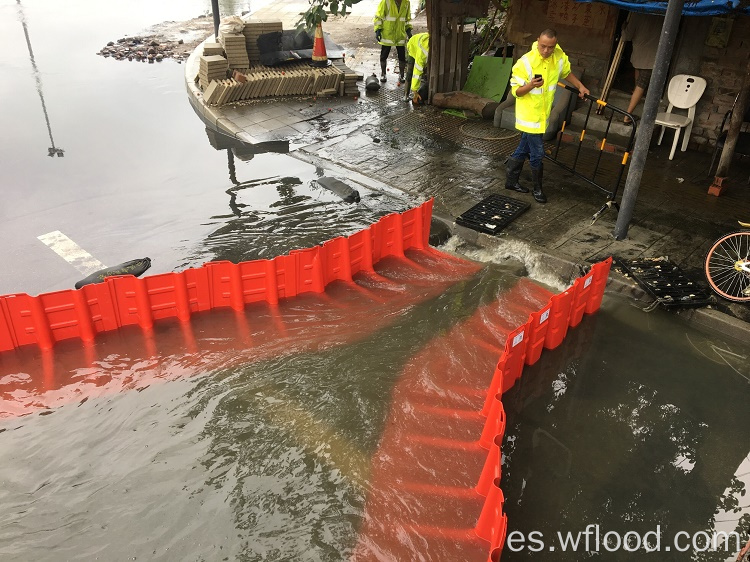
column 492, row 214
column 665, row 282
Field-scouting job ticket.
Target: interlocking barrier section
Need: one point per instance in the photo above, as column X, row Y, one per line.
column 121, row 301
column 437, row 471
column 475, row 526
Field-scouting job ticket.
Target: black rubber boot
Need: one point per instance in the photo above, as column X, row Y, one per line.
column 536, row 176
column 513, row 173
column 383, row 77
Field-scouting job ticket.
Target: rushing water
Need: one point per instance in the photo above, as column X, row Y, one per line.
column 251, row 436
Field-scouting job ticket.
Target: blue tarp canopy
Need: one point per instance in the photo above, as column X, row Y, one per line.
column 692, row 8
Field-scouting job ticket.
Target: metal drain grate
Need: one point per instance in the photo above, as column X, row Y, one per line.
column 663, row 280
column 492, row 214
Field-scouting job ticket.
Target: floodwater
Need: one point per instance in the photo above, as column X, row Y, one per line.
column 257, row 436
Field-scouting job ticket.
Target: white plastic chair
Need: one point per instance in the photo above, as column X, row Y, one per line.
column 683, row 92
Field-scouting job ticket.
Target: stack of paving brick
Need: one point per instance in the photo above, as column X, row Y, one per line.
column 212, row 68
column 348, row 86
column 294, row 79
column 235, row 49
column 210, row 49
column 255, row 28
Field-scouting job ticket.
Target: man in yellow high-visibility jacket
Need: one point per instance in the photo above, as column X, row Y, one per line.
column 392, row 29
column 418, row 50
column 533, row 83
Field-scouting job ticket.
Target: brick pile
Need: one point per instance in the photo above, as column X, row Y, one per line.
column 255, row 28
column 235, row 49
column 213, row 49
column 212, row 68
column 289, row 80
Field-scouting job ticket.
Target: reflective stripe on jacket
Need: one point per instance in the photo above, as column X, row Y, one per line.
column 418, row 48
column 393, row 21
column 534, row 108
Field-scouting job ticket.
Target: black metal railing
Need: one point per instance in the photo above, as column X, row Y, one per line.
column 611, row 192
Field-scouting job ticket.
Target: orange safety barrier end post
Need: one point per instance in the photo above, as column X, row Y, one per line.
column 27, row 322
column 426, row 209
column 360, row 251
column 198, row 288
column 601, row 274
column 220, row 283
column 497, row 551
column 286, row 276
column 101, row 307
column 515, row 352
column 7, row 339
column 559, row 320
column 492, row 522
column 538, row 326
column 389, row 240
column 258, row 281
column 412, row 223
column 337, row 263
column 492, row 470
column 495, row 424
column 309, row 270
column 580, row 300
column 498, row 385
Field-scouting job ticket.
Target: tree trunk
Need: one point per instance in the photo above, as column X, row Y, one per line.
column 466, row 100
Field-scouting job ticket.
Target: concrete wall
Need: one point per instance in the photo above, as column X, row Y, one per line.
column 724, row 70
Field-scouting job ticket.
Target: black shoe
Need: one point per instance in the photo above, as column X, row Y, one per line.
column 513, row 172
column 536, row 176
column 518, row 187
column 383, row 77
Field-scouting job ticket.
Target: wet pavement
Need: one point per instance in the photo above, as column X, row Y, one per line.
column 458, row 161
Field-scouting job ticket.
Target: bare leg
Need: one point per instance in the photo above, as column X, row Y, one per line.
column 635, row 98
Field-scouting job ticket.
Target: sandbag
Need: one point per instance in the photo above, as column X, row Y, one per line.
column 133, row 267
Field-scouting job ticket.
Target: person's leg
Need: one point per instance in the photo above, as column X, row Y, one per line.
column 401, row 50
column 409, row 73
column 515, row 165
column 642, row 78
column 536, row 157
column 385, row 50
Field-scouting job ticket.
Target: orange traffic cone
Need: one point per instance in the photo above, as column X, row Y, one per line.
column 319, row 56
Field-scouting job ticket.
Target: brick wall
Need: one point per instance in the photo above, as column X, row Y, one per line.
column 724, row 71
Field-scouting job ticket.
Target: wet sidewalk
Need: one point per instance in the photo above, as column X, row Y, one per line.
column 427, row 153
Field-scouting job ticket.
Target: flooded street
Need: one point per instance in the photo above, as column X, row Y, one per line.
column 258, row 435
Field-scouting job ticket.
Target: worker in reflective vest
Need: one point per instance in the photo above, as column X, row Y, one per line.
column 392, row 29
column 418, row 49
column 533, row 83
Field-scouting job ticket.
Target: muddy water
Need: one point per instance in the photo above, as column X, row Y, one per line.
column 636, row 422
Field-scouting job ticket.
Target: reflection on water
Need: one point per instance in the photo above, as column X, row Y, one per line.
column 255, row 436
column 629, row 444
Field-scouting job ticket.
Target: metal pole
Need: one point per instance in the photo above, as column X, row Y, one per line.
column 650, row 109
column 215, row 10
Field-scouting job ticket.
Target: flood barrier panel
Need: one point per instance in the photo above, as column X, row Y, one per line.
column 121, row 301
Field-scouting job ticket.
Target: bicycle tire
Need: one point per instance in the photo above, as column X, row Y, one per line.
column 725, row 279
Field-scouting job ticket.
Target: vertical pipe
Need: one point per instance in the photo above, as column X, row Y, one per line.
column 650, row 108
column 215, row 10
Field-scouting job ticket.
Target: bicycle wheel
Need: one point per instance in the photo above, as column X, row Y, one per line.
column 727, row 267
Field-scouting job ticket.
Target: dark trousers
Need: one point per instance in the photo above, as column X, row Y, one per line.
column 385, row 50
column 532, row 146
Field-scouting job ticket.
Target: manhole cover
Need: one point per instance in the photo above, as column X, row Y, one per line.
column 492, row 214
column 666, row 282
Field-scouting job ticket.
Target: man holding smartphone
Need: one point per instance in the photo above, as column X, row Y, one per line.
column 533, row 83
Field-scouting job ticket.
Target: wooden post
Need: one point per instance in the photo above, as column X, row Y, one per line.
column 738, row 115
column 433, row 27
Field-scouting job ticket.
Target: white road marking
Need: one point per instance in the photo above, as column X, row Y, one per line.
column 71, row 252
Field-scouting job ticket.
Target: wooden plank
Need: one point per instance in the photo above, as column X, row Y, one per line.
column 453, row 26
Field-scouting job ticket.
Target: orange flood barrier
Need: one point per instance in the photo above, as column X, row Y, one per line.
column 121, row 301
column 435, row 487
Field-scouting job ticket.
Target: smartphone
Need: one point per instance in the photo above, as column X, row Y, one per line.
column 537, row 75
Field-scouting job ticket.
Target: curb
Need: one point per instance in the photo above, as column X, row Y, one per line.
column 568, row 268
